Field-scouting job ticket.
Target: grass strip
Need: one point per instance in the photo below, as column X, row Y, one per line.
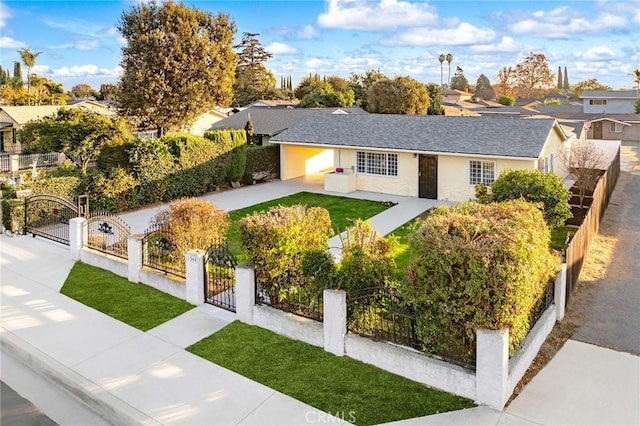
column 352, row 390
column 138, row 305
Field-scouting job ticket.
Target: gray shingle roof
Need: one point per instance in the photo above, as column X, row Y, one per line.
column 609, row 94
column 271, row 121
column 509, row 137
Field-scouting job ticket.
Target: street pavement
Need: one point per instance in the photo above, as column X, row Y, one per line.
column 17, row 411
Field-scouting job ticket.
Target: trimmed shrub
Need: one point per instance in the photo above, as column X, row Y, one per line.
column 13, row 215
column 114, row 154
column 265, row 158
column 192, row 224
column 506, row 100
column 65, row 187
column 114, row 191
column 278, row 240
column 152, row 165
column 477, row 266
column 367, row 259
column 546, row 190
column 233, row 145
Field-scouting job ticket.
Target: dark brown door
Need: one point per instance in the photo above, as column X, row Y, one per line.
column 597, row 130
column 428, row 177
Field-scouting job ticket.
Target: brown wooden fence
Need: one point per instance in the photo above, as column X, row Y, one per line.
column 578, row 247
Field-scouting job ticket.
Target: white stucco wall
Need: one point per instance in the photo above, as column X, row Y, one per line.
column 453, row 175
column 104, row 261
column 297, row 161
column 289, row 325
column 613, row 106
column 405, row 184
column 555, row 145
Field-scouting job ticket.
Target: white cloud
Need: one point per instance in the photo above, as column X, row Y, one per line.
column 308, row 32
column 87, row 44
column 463, row 34
column 506, row 44
column 383, row 15
column 559, row 24
column 5, row 14
column 10, row 43
column 280, row 49
column 88, row 70
column 598, row 53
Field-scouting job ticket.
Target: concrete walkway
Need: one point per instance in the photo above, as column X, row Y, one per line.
column 127, row 376
column 406, row 209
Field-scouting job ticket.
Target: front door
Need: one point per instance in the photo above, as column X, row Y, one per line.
column 597, row 130
column 428, row 177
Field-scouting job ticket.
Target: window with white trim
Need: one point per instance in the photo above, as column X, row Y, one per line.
column 615, row 127
column 482, row 172
column 377, row 163
column 597, row 101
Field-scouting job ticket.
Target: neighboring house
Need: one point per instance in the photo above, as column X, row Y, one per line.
column 91, row 105
column 454, row 96
column 275, row 103
column 204, row 122
column 609, row 101
column 13, row 117
column 268, row 122
column 434, row 157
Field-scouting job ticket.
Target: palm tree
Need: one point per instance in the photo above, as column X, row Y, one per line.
column 449, row 60
column 636, row 78
column 29, row 60
column 441, row 59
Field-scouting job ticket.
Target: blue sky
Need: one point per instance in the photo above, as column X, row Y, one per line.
column 593, row 39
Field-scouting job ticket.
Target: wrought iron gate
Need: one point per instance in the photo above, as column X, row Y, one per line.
column 107, row 233
column 48, row 216
column 220, row 274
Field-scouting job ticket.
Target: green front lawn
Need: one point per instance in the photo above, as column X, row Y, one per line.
column 559, row 237
column 402, row 254
column 343, row 211
column 138, row 305
column 362, row 393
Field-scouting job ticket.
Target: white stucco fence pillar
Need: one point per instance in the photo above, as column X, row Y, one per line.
column 560, row 292
column 492, row 367
column 134, row 253
column 15, row 163
column 335, row 321
column 245, row 292
column 77, row 236
column 195, row 276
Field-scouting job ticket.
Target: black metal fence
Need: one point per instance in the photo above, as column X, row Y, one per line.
column 290, row 293
column 544, row 302
column 160, row 253
column 48, row 216
column 108, row 234
column 220, row 287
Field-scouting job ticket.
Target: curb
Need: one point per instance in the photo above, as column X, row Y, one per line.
column 93, row 396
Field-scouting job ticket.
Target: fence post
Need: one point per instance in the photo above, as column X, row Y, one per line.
column 492, row 367
column 334, row 321
column 195, row 276
column 15, row 162
column 560, row 292
column 77, row 236
column 134, row 254
column 245, row 292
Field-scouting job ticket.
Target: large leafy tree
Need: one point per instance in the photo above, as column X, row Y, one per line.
column 29, row 60
column 533, row 74
column 402, row 95
column 178, row 62
column 361, row 83
column 591, row 84
column 332, row 91
column 78, row 133
column 459, row 82
column 253, row 79
column 84, row 90
column 484, row 90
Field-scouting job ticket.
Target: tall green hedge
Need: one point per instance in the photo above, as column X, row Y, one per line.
column 477, row 266
column 265, row 158
column 233, row 145
column 65, row 187
column 13, row 214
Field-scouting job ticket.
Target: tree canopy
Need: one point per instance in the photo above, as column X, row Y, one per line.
column 253, row 80
column 484, row 90
column 591, row 84
column 402, row 95
column 459, row 82
column 78, row 133
column 178, row 62
column 435, row 99
column 332, row 91
column 361, row 83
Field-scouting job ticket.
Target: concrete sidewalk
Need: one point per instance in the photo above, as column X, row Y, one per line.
column 127, row 376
